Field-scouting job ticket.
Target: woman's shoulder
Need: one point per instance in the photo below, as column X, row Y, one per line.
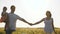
column 51, row 18
column 44, row 18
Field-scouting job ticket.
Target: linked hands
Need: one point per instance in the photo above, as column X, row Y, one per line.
column 31, row 24
column 28, row 22
column 36, row 22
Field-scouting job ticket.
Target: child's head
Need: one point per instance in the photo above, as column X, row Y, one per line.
column 4, row 9
column 12, row 8
column 48, row 14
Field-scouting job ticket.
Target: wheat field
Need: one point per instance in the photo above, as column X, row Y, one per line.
column 29, row 31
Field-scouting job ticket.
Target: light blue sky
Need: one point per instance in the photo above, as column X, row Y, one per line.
column 33, row 11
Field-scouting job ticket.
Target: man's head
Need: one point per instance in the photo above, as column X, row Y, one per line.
column 12, row 9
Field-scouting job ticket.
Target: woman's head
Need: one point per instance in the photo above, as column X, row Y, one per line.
column 48, row 14
column 4, row 9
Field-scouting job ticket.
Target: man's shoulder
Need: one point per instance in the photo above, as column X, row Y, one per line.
column 13, row 14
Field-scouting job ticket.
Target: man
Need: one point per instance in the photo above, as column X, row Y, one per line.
column 12, row 20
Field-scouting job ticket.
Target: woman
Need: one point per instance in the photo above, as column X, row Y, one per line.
column 49, row 27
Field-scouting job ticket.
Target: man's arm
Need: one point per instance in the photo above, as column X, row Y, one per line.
column 22, row 20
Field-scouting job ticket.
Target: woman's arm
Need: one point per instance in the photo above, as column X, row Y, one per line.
column 39, row 21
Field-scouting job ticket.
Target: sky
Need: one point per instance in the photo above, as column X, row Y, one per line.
column 33, row 11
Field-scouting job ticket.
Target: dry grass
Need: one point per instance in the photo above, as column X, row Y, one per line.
column 29, row 31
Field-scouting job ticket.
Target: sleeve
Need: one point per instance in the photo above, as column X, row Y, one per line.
column 18, row 17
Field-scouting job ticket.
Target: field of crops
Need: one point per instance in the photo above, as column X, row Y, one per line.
column 29, row 31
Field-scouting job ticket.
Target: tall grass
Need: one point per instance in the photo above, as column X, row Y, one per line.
column 29, row 31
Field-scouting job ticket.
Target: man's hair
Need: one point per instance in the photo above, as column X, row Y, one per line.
column 12, row 6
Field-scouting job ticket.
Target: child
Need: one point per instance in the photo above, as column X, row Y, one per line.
column 4, row 17
column 49, row 27
column 3, row 14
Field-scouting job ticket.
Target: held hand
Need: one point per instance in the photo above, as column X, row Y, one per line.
column 31, row 24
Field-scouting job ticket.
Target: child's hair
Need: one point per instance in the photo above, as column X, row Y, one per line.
column 49, row 13
column 5, row 8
